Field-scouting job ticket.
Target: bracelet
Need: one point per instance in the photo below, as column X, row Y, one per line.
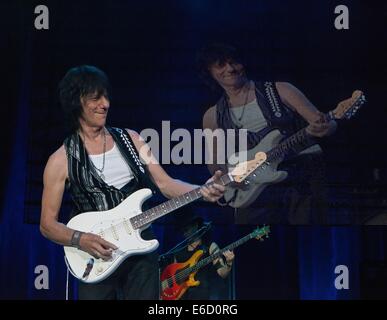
column 76, row 238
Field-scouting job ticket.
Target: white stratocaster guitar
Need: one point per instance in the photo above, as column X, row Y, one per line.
column 242, row 195
column 123, row 225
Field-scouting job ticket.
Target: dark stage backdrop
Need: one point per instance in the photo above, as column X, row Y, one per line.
column 148, row 50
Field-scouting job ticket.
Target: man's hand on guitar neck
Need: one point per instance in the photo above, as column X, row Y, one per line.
column 229, row 255
column 321, row 126
column 215, row 191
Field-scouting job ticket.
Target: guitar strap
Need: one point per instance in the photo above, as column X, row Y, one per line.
column 126, row 145
column 88, row 191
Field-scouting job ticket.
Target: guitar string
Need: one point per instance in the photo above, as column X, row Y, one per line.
column 184, row 274
column 121, row 225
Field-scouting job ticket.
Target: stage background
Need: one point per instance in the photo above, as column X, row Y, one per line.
column 148, row 50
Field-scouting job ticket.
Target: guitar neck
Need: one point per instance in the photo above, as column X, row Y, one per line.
column 296, row 143
column 219, row 253
column 150, row 215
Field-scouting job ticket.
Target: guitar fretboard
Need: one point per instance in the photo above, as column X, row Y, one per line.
column 186, row 272
column 296, row 143
column 150, row 215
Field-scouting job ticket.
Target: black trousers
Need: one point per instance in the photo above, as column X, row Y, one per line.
column 302, row 198
column 136, row 278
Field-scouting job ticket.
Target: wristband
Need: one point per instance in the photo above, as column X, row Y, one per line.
column 76, row 238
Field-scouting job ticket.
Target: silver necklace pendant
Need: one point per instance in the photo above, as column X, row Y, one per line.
column 242, row 114
column 239, row 119
column 102, row 176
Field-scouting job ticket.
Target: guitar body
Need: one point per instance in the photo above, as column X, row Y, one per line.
column 175, row 288
column 246, row 194
column 114, row 226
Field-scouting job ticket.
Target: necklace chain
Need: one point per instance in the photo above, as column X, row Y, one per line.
column 244, row 106
column 103, row 159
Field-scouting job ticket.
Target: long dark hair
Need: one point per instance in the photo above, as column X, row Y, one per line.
column 215, row 53
column 79, row 82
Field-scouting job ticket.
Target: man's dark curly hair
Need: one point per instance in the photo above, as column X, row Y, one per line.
column 211, row 54
column 80, row 82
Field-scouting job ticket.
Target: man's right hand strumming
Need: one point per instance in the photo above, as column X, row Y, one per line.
column 96, row 246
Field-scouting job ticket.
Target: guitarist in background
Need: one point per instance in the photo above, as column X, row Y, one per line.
column 100, row 166
column 258, row 107
column 208, row 275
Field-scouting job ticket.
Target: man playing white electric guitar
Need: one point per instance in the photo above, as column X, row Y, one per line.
column 101, row 167
column 259, row 107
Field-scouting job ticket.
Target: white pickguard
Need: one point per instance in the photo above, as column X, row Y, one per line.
column 265, row 175
column 122, row 234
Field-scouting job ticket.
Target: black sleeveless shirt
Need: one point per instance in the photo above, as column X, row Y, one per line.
column 88, row 191
column 276, row 113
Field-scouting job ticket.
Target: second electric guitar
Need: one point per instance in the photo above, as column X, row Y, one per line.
column 177, row 278
column 277, row 148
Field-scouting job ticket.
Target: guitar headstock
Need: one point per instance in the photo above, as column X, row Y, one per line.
column 346, row 109
column 260, row 233
column 243, row 169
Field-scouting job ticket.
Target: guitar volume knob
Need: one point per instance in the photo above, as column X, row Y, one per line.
column 99, row 270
